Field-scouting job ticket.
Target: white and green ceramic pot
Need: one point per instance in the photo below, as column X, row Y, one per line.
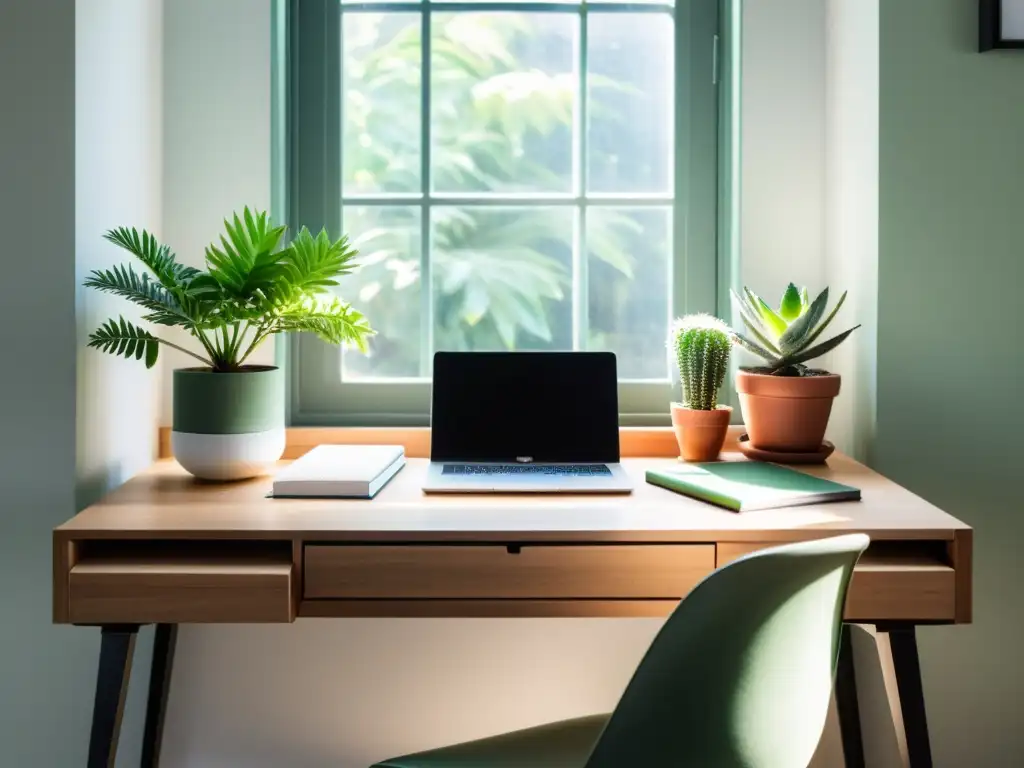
column 228, row 426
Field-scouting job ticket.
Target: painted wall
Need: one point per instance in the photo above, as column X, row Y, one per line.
column 37, row 389
column 97, row 61
column 216, row 130
column 118, row 143
column 851, row 214
column 118, row 182
column 783, row 175
column 809, row 176
column 950, row 360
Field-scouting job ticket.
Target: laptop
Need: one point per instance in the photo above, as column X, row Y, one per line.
column 525, row 422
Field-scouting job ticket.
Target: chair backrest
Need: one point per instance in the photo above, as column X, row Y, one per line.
column 741, row 673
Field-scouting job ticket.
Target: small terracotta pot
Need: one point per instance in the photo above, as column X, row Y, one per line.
column 786, row 413
column 700, row 434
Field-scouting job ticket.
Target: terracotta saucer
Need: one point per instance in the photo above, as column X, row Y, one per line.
column 785, row 457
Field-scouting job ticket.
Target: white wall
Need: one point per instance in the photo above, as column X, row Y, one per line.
column 118, row 182
column 809, row 177
column 347, row 693
column 851, row 213
column 782, row 230
column 216, row 130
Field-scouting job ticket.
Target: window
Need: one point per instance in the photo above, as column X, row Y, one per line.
column 515, row 175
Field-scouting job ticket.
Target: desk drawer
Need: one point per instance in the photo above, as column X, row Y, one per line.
column 136, row 591
column 496, row 572
column 905, row 581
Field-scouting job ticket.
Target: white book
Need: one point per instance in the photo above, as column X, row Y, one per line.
column 341, row 471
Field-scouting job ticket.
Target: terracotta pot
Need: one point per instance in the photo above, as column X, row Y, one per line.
column 701, row 434
column 786, row 413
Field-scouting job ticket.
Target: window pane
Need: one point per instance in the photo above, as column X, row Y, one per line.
column 386, row 288
column 628, row 252
column 502, row 278
column 526, row 2
column 503, row 97
column 381, row 102
column 629, row 82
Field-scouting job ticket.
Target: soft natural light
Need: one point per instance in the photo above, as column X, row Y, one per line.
column 495, row 203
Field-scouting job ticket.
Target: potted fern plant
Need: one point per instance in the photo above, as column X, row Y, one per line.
column 701, row 344
column 229, row 415
column 785, row 404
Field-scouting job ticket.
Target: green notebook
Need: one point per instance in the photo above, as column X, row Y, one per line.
column 743, row 486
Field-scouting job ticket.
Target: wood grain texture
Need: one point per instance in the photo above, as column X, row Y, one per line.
column 164, row 510
column 63, row 558
column 298, row 573
column 492, row 572
column 727, row 551
column 633, row 441
column 892, row 695
column 901, row 590
column 487, row 609
column 165, row 502
column 963, row 560
column 126, row 591
column 886, row 587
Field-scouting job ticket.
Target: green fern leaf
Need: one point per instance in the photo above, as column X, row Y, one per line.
column 120, row 337
column 247, row 259
column 251, row 284
column 313, row 264
column 335, row 322
column 158, row 258
column 124, row 281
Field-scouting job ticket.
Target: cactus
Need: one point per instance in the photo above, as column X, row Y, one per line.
column 702, row 344
column 784, row 337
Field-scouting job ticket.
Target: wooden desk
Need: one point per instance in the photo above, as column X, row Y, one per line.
column 167, row 550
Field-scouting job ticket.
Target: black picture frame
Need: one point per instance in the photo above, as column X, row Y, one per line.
column 990, row 30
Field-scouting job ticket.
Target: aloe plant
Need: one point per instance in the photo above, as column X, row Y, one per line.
column 702, row 346
column 785, row 338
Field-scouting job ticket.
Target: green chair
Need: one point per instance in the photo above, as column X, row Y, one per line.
column 739, row 676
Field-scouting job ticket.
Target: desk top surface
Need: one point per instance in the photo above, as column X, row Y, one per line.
column 165, row 502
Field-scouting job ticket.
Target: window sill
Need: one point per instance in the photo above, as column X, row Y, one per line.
column 634, row 441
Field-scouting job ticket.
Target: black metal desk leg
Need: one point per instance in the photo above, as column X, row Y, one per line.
column 846, row 704
column 164, row 642
column 907, row 665
column 117, row 644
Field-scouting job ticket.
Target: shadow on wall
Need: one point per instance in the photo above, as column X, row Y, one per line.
column 392, row 686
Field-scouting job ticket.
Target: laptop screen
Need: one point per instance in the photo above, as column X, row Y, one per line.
column 525, row 406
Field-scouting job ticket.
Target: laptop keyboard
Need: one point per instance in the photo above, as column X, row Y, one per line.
column 559, row 470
